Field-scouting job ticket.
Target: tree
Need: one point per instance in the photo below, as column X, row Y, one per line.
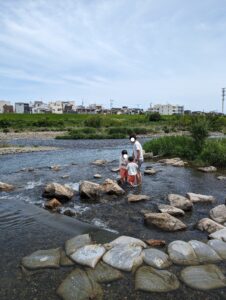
column 154, row 117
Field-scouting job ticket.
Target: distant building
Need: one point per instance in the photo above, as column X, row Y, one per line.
column 2, row 104
column 167, row 109
column 22, row 108
column 39, row 107
column 56, row 107
column 8, row 109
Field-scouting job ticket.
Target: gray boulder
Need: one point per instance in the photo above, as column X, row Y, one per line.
column 203, row 277
column 208, row 225
column 90, row 190
column 5, row 187
column 182, row 253
column 180, row 202
column 111, row 187
column 218, row 213
column 88, row 255
column 208, row 169
column 77, row 242
column 58, row 191
column 219, row 235
column 127, row 240
column 104, row 273
column 194, row 198
column 171, row 210
column 42, row 259
column 221, row 177
column 219, row 247
column 150, row 171
column 124, row 257
column 164, row 221
column 79, row 286
column 204, row 253
column 156, row 258
column 151, row 280
column 65, row 261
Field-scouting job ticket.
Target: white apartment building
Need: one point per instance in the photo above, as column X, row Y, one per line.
column 167, row 109
column 2, row 103
column 22, row 108
column 39, row 107
column 56, row 107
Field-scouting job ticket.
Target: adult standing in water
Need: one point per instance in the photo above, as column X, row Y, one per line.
column 137, row 155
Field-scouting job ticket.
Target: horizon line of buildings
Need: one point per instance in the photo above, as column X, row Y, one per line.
column 61, row 107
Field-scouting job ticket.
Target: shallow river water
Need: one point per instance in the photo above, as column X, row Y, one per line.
column 26, row 227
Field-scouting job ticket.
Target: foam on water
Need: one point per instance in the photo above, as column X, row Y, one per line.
column 32, row 184
column 73, row 185
column 80, row 209
column 99, row 223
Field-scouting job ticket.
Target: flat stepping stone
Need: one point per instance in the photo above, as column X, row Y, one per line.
column 65, row 176
column 97, row 176
column 5, row 187
column 151, row 280
column 208, row 225
column 219, row 235
column 205, row 277
column 65, row 261
column 124, row 257
column 127, row 240
column 218, row 213
column 104, row 273
column 77, row 242
column 171, row 210
column 88, row 255
column 99, row 162
column 79, row 286
column 150, row 172
column 194, row 198
column 219, row 247
column 137, row 198
column 180, row 202
column 204, row 253
column 156, row 258
column 221, row 177
column 164, row 221
column 115, row 170
column 42, row 259
column 58, row 191
column 182, row 253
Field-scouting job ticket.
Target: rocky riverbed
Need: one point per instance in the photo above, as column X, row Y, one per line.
column 24, row 233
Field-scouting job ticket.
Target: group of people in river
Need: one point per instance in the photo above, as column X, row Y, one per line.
column 130, row 165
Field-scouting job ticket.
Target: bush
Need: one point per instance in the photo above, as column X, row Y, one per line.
column 95, row 121
column 214, row 153
column 199, row 131
column 154, row 117
column 182, row 146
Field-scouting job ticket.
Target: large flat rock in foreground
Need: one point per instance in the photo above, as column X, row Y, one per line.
column 205, row 277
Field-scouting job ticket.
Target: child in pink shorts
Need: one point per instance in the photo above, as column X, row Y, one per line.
column 132, row 169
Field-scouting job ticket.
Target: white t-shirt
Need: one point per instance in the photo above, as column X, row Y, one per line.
column 123, row 161
column 132, row 168
column 137, row 146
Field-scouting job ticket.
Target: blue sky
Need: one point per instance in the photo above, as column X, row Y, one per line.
column 135, row 52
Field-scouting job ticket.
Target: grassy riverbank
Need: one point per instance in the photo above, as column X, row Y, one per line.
column 103, row 126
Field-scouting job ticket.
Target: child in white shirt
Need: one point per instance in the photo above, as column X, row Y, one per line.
column 123, row 162
column 132, row 169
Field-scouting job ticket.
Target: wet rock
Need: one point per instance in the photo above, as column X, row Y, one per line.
column 42, row 259
column 148, row 155
column 90, row 190
column 207, row 169
column 111, row 187
column 124, row 257
column 65, row 261
column 115, row 170
column 79, row 286
column 209, row 225
column 152, row 280
column 171, row 210
column 127, row 240
column 65, row 176
column 194, row 198
column 97, row 176
column 203, row 277
column 176, row 162
column 88, row 255
column 219, row 247
column 136, row 198
column 156, row 243
column 55, row 168
column 104, row 273
column 221, row 177
column 182, row 253
column 164, row 221
column 30, row 169
column 150, row 172
column 53, row 203
column 218, row 213
column 219, row 235
column 69, row 212
column 5, row 187
column 77, row 242
column 99, row 162
column 180, row 202
column 156, row 258
column 204, row 253
column 56, row 190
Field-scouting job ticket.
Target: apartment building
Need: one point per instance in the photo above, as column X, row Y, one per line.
column 167, row 109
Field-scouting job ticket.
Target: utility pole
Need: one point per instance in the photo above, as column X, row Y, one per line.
column 223, row 93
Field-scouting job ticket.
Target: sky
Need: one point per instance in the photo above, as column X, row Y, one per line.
column 135, row 52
